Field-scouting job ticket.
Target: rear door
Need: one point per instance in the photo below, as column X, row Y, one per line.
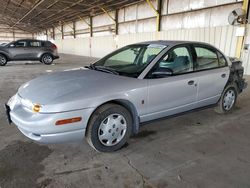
column 212, row 73
column 35, row 48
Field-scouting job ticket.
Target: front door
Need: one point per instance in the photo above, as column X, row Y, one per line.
column 19, row 50
column 175, row 93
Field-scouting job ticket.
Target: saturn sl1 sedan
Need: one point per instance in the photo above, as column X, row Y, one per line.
column 106, row 101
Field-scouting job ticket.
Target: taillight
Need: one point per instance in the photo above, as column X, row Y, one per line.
column 54, row 46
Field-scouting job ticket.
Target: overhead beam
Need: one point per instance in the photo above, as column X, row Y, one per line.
column 107, row 13
column 31, row 10
column 84, row 20
column 40, row 12
column 6, row 6
column 74, row 4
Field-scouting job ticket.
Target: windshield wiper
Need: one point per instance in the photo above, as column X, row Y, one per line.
column 106, row 69
column 102, row 68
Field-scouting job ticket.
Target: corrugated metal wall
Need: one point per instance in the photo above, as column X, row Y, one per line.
column 222, row 37
column 195, row 20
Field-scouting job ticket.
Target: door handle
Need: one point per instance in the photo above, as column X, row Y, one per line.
column 191, row 82
column 223, row 75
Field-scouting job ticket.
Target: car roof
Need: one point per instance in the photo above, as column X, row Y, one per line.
column 32, row 40
column 173, row 42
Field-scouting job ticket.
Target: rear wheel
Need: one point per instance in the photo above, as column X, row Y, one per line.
column 47, row 59
column 109, row 128
column 228, row 99
column 3, row 60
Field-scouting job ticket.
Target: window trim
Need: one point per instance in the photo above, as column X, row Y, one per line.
column 189, row 49
column 213, row 49
column 27, row 45
column 192, row 52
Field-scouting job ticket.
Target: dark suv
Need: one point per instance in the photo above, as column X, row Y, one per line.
column 28, row 49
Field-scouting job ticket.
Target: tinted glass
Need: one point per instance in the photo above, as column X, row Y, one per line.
column 20, row 44
column 222, row 60
column 206, row 58
column 35, row 43
column 177, row 60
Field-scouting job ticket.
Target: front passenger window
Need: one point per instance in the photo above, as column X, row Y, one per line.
column 177, row 60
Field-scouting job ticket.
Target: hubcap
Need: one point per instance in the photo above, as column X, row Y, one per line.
column 47, row 59
column 229, row 99
column 2, row 60
column 112, row 130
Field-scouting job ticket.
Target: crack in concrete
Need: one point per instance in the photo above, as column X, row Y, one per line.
column 77, row 170
column 144, row 180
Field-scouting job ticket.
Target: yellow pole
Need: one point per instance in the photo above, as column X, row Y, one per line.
column 241, row 39
column 157, row 14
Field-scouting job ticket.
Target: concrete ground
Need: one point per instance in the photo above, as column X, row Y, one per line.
column 199, row 149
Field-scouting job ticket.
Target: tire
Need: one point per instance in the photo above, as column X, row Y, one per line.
column 228, row 99
column 47, row 59
column 3, row 60
column 111, row 120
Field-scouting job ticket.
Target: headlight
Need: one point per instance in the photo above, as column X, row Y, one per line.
column 30, row 106
column 36, row 108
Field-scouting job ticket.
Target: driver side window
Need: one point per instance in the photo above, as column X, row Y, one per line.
column 20, row 44
column 176, row 61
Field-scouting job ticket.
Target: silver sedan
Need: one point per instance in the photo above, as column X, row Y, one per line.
column 106, row 101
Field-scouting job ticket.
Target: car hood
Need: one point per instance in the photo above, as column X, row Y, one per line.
column 74, row 85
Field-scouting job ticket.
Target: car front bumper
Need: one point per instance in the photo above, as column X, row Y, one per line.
column 62, row 137
column 42, row 127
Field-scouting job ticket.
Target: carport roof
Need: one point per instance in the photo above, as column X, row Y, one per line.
column 36, row 15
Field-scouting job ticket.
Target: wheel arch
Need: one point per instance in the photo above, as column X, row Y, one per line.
column 126, row 104
column 44, row 53
column 5, row 55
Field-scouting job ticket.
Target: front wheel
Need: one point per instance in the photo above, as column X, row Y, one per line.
column 227, row 100
column 47, row 59
column 3, row 60
column 109, row 128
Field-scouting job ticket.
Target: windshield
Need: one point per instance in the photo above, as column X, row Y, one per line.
column 130, row 60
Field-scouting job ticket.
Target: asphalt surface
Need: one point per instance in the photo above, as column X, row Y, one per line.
column 197, row 149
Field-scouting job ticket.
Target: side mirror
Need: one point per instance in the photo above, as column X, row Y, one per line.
column 162, row 73
column 11, row 45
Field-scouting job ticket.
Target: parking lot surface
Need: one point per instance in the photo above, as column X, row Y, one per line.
column 197, row 149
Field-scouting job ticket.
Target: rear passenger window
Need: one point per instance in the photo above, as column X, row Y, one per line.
column 35, row 43
column 206, row 59
column 222, row 60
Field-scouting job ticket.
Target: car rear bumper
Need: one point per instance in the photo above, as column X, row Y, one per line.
column 56, row 57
